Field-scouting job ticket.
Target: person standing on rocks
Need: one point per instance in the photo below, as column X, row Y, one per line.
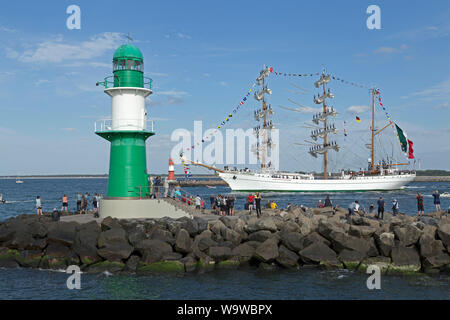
column 198, row 202
column 395, row 207
column 212, row 201
column 258, row 204
column 250, row 202
column 419, row 198
column 328, row 202
column 79, row 202
column 437, row 200
column 230, row 202
column 65, row 203
column 86, row 203
column 39, row 205
column 380, row 204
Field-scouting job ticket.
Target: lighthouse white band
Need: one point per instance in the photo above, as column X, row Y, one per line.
column 128, row 107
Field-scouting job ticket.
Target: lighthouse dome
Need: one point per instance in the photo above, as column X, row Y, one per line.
column 128, row 51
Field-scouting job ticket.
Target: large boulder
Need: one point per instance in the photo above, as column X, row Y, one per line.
column 183, row 242
column 8, row 258
column 326, row 228
column 37, row 229
column 386, row 241
column 436, row 262
column 429, row 246
column 260, row 236
column 361, row 231
column 429, row 221
column 343, row 241
column 306, row 224
column 290, row 226
column 405, row 259
column 351, row 259
column 113, row 245
column 292, row 240
column 287, row 258
column 267, row 251
column 243, row 252
column 192, row 225
column 363, row 221
column 110, row 223
column 58, row 256
column 201, row 243
column 220, row 253
column 408, row 235
column 231, row 236
column 29, row 258
column 62, row 232
column 318, row 253
column 266, row 223
column 136, row 234
column 156, row 233
column 85, row 243
column 153, row 250
column 313, row 238
column 443, row 232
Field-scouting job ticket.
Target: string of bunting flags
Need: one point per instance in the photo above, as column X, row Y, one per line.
column 355, row 84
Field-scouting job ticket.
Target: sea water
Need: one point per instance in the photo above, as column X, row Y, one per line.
column 241, row 284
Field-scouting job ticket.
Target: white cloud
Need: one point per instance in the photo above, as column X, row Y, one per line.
column 183, row 36
column 357, row 109
column 69, row 129
column 440, row 91
column 223, row 83
column 56, row 51
column 41, row 81
column 386, row 50
column 6, row 29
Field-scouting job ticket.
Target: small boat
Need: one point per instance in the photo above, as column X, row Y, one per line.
column 19, row 181
column 210, row 187
column 445, row 195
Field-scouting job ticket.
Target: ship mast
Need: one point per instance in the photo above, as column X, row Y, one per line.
column 328, row 128
column 373, row 131
column 263, row 114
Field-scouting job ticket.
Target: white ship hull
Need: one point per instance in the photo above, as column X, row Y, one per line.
column 288, row 182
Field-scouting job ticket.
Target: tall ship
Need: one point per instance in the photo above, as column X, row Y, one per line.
column 383, row 175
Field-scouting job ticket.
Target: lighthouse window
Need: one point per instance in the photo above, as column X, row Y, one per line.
column 115, row 66
column 137, row 65
column 129, row 64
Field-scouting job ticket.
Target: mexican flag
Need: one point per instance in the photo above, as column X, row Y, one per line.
column 405, row 143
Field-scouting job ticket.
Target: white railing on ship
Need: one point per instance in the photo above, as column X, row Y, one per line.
column 125, row 124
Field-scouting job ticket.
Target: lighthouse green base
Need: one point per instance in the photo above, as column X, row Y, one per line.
column 128, row 176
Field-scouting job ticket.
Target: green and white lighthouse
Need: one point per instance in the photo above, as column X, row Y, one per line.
column 127, row 130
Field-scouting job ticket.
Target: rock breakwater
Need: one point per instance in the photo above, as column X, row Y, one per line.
column 278, row 239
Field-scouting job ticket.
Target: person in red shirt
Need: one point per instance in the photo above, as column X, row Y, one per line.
column 250, row 202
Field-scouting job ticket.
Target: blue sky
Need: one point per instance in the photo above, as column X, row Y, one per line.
column 203, row 56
